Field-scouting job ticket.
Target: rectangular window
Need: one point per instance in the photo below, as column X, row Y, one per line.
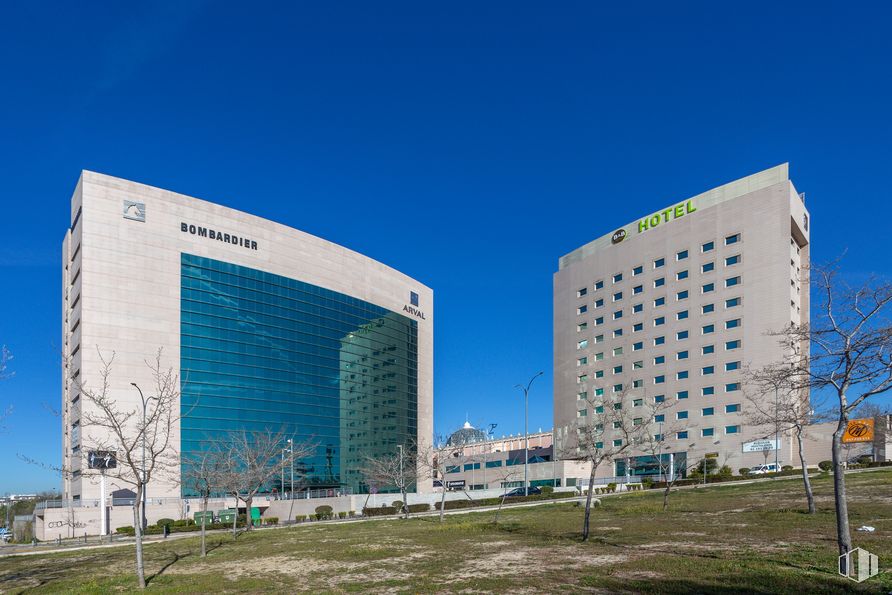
column 707, row 391
column 493, row 464
column 732, row 281
column 599, row 338
column 659, row 418
column 707, row 349
column 639, row 365
column 732, row 387
column 617, row 369
column 637, row 289
column 732, row 239
column 732, row 429
column 707, row 370
column 582, row 413
column 453, row 469
column 599, row 356
column 638, row 327
column 707, row 309
column 681, row 335
column 681, row 375
column 708, row 329
column 581, row 309
column 583, row 395
column 732, row 323
column 617, row 277
column 617, row 351
column 708, row 288
column 732, row 303
column 707, row 267
column 637, row 308
column 681, row 315
column 732, row 260
column 660, row 359
column 659, row 398
column 599, row 392
column 707, row 247
column 707, row 432
column 599, row 373
column 581, row 292
column 471, row 466
column 681, row 415
column 681, row 275
column 599, row 285
column 659, row 379
column 617, row 296
column 599, row 320
column 659, row 282
column 599, row 303
column 637, row 383
column 618, row 314
column 682, row 435
column 681, row 295
column 681, row 355
column 617, row 333
column 707, row 411
column 637, row 346
column 732, row 366
column 729, row 345
column 682, row 394
column 581, row 327
column 735, row 408
column 681, row 255
column 581, row 361
column 582, row 344
column 659, row 302
column 659, row 262
column 637, row 270
column 659, row 340
column 659, row 320
column 581, row 378
column 618, row 442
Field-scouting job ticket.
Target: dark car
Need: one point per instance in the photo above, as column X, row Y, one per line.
column 520, row 492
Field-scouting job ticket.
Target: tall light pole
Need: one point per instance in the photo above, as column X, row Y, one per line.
column 143, row 432
column 526, row 433
column 776, row 430
column 291, row 450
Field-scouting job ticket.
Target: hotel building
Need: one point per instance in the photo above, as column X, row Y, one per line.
column 267, row 328
column 671, row 307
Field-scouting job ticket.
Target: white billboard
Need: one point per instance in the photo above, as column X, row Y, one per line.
column 760, row 445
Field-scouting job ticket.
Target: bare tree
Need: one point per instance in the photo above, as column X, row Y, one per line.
column 654, row 442
column 505, row 475
column 606, row 430
column 5, row 358
column 204, row 473
column 397, row 470
column 141, row 443
column 435, row 461
column 846, row 351
column 250, row 462
column 778, row 402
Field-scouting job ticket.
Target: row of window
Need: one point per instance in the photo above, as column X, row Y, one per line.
column 661, row 262
column 657, row 341
column 705, row 289
column 683, row 435
column 682, row 295
column 661, row 417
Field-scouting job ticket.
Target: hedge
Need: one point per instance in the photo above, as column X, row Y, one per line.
column 155, row 530
column 379, row 511
column 419, row 507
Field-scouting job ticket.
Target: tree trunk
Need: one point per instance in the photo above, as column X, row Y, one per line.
column 666, row 495
column 235, row 519
column 204, row 512
column 249, row 522
column 588, row 503
column 405, row 503
column 501, row 504
column 843, row 534
column 442, row 500
column 806, row 480
column 137, row 525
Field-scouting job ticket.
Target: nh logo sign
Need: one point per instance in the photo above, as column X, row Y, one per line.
column 858, row 565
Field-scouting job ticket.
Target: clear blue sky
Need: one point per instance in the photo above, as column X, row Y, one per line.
column 467, row 145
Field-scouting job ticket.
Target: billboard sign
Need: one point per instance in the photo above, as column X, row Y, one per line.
column 760, row 445
column 455, row 483
column 102, row 459
column 858, row 430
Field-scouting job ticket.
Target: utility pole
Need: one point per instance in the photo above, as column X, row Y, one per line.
column 526, row 433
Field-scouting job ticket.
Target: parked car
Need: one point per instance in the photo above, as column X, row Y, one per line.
column 762, row 469
column 520, row 492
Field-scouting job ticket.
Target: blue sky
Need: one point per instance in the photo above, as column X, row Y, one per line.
column 469, row 146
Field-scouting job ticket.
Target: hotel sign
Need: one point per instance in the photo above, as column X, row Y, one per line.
column 618, row 236
column 672, row 213
column 858, row 430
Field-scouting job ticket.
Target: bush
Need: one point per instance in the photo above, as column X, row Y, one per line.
column 547, row 490
column 865, row 460
column 352, row 513
column 419, row 507
column 342, row 515
column 300, row 518
column 744, row 471
column 786, row 467
column 647, row 482
column 271, row 520
column 128, row 530
column 183, row 523
column 323, row 512
column 611, row 487
column 725, row 471
column 380, row 511
column 398, row 504
column 162, row 522
column 825, row 465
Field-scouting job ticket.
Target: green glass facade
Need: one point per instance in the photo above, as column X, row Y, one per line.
column 260, row 351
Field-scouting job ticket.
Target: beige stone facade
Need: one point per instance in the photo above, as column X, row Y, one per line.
column 121, row 293
column 674, row 305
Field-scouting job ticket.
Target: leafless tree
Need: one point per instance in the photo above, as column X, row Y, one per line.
column 505, row 475
column 393, row 470
column 142, row 444
column 204, row 474
column 250, row 462
column 5, row 358
column 606, row 430
column 778, row 402
column 654, row 441
column 434, row 461
column 847, row 352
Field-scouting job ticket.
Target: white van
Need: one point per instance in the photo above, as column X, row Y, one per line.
column 762, row 469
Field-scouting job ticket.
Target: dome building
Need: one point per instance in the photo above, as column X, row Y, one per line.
column 467, row 434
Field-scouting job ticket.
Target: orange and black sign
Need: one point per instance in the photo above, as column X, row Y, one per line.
column 858, row 430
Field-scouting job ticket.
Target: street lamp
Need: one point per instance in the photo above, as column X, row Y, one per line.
column 143, row 432
column 776, row 430
column 526, row 434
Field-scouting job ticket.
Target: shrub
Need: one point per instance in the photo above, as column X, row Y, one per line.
column 744, row 471
column 865, row 460
column 128, row 530
column 547, row 490
column 162, row 522
column 183, row 523
column 825, row 465
column 419, row 507
column 323, row 512
column 647, row 482
column 300, row 518
column 271, row 520
column 787, row 468
column 380, row 511
column 342, row 515
column 611, row 487
column 398, row 504
column 352, row 513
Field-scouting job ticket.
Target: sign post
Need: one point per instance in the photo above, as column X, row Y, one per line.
column 102, row 460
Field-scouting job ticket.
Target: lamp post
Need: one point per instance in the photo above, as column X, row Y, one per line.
column 291, row 451
column 526, row 434
column 144, row 402
column 776, row 430
column 402, row 481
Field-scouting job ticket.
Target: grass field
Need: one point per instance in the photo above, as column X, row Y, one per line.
column 730, row 539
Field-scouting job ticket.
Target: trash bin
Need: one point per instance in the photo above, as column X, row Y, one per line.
column 255, row 516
